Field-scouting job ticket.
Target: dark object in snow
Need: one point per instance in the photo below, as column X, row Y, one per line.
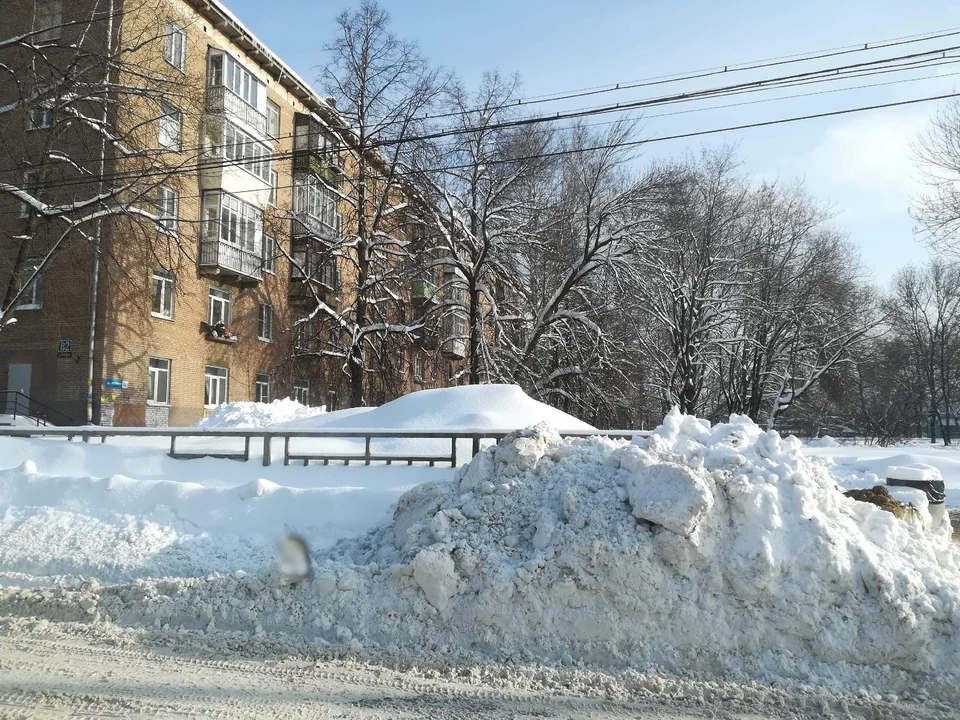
column 293, row 558
column 935, row 489
column 881, row 497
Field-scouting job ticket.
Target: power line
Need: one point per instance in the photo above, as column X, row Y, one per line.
column 727, row 69
column 831, row 75
column 714, row 71
column 914, row 61
column 635, row 143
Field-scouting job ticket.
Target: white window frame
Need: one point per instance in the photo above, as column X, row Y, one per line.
column 265, row 322
column 301, row 392
column 223, row 70
column 273, row 119
column 315, row 198
column 243, row 149
column 419, row 365
column 171, row 127
column 234, row 222
column 156, row 371
column 274, row 188
column 47, row 19
column 261, row 388
column 223, row 300
column 31, row 186
column 168, row 207
column 216, row 386
column 32, row 297
column 162, row 282
column 39, row 118
column 175, row 46
column 269, row 255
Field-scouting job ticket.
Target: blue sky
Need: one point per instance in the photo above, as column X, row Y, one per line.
column 859, row 165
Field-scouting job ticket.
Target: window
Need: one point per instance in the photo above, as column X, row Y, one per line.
column 419, row 361
column 318, row 201
column 235, row 222
column 168, row 207
column 162, row 282
column 225, row 71
column 32, row 296
column 47, row 19
column 301, row 393
column 273, row 119
column 265, row 322
column 242, row 148
column 269, row 254
column 39, row 118
column 215, row 391
column 158, row 383
column 219, row 308
column 31, row 186
column 171, row 126
column 174, row 46
column 262, row 388
column 274, row 186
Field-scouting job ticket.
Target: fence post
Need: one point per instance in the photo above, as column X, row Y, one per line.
column 246, row 448
column 173, row 446
column 286, row 449
column 86, row 437
column 476, row 445
column 453, row 451
column 267, row 447
column 366, row 451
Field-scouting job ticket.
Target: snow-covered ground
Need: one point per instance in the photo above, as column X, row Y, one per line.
column 709, row 552
column 857, row 465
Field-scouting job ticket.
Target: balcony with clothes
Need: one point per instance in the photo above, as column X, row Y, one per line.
column 235, row 92
column 315, row 211
column 314, row 271
column 232, row 243
column 316, row 149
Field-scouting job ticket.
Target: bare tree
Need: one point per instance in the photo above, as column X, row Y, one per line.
column 383, row 86
column 925, row 312
column 937, row 153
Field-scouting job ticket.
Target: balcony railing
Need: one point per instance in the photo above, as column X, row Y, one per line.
column 223, row 100
column 306, row 224
column 234, row 260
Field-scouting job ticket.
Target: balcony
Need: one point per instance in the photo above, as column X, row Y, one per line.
column 221, row 100
column 307, row 225
column 423, row 291
column 313, row 270
column 219, row 258
column 316, row 149
column 455, row 334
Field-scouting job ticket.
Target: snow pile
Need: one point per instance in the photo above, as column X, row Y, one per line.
column 467, row 407
column 258, row 415
column 717, row 550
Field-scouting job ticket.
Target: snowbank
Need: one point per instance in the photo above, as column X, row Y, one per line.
column 742, row 559
column 258, row 415
column 467, row 407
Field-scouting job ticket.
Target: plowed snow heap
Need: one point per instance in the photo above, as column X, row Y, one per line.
column 702, row 549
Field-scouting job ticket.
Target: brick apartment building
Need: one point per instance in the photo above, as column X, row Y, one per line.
column 208, row 311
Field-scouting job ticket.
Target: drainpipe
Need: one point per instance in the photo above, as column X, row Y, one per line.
column 95, row 279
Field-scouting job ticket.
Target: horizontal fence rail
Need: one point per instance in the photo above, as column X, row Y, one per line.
column 306, row 456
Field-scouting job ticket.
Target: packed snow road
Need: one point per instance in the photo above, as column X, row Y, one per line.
column 72, row 673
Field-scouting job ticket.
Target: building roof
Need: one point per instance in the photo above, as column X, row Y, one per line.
column 230, row 25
